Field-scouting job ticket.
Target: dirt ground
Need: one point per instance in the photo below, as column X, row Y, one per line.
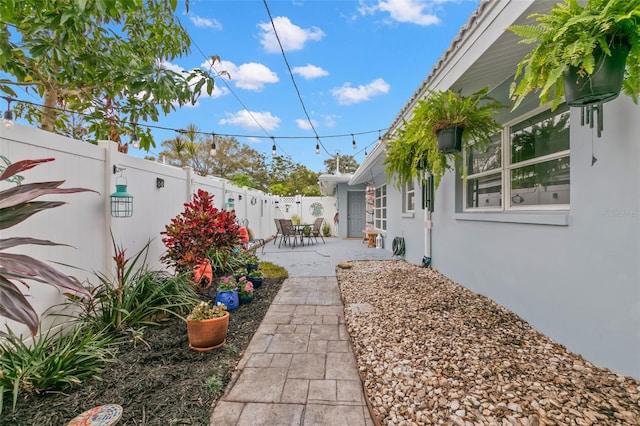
column 157, row 380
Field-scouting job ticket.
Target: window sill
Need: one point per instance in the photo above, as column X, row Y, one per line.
column 533, row 218
column 407, row 215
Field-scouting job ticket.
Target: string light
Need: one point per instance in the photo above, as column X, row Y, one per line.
column 8, row 114
column 213, row 149
column 317, row 145
column 183, row 131
column 353, row 142
column 134, row 137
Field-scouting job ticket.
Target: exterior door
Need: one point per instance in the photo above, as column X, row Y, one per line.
column 355, row 214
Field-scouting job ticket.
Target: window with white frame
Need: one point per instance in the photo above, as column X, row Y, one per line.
column 534, row 174
column 381, row 207
column 408, row 197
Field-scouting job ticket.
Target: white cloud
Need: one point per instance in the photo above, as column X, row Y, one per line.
column 249, row 76
column 291, row 36
column 329, row 120
column 201, row 22
column 171, row 67
column 245, row 119
column 304, row 124
column 309, row 72
column 347, row 95
column 410, row 11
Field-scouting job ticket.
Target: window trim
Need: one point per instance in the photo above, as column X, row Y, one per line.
column 380, row 213
column 506, row 167
column 405, row 198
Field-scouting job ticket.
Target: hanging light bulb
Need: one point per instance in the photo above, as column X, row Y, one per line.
column 317, row 145
column 134, row 137
column 213, row 149
column 353, row 142
column 8, row 114
column 273, row 148
column 379, row 138
column 365, row 152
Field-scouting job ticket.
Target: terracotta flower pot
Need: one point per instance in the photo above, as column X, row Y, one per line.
column 205, row 335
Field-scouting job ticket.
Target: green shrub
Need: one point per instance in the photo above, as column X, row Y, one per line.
column 53, row 361
column 326, row 229
column 271, row 270
column 148, row 297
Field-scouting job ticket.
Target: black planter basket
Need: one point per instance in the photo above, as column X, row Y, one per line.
column 603, row 85
column 450, row 139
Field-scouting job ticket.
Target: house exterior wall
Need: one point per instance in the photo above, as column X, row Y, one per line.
column 575, row 276
column 341, row 194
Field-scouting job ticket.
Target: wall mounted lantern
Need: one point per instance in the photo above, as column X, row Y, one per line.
column 121, row 200
column 159, row 183
column 230, row 203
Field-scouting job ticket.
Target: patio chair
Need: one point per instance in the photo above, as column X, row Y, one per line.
column 288, row 232
column 316, row 231
column 278, row 231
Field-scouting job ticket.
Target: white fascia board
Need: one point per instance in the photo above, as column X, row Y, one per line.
column 374, row 158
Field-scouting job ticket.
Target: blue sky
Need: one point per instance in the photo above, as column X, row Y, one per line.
column 355, row 64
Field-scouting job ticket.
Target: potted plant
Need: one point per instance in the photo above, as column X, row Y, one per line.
column 306, row 231
column 240, row 273
column 245, row 291
column 586, row 53
column 251, row 261
column 256, row 277
column 207, row 326
column 444, row 123
column 227, row 293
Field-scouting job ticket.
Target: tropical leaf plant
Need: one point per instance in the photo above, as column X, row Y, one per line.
column 17, row 205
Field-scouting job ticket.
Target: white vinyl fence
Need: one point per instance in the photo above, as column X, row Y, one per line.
column 85, row 224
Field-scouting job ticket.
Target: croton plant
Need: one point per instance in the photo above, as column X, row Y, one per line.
column 16, row 205
column 200, row 229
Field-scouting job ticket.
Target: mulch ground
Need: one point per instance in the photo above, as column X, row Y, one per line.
column 157, row 379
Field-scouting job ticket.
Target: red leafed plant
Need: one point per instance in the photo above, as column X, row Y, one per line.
column 17, row 205
column 199, row 229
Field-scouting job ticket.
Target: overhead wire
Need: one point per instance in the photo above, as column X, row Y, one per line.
column 293, row 80
column 220, row 78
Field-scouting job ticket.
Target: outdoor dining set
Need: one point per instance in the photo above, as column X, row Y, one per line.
column 292, row 234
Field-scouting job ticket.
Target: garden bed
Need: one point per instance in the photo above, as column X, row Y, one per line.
column 156, row 378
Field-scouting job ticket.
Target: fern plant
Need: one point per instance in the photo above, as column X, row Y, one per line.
column 571, row 35
column 415, row 153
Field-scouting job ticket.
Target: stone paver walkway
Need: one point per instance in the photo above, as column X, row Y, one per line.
column 299, row 368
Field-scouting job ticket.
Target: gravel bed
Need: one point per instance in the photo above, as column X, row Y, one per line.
column 430, row 351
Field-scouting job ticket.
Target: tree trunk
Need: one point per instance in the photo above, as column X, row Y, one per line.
column 49, row 112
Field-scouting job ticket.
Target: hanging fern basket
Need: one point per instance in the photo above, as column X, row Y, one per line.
column 601, row 86
column 450, row 139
